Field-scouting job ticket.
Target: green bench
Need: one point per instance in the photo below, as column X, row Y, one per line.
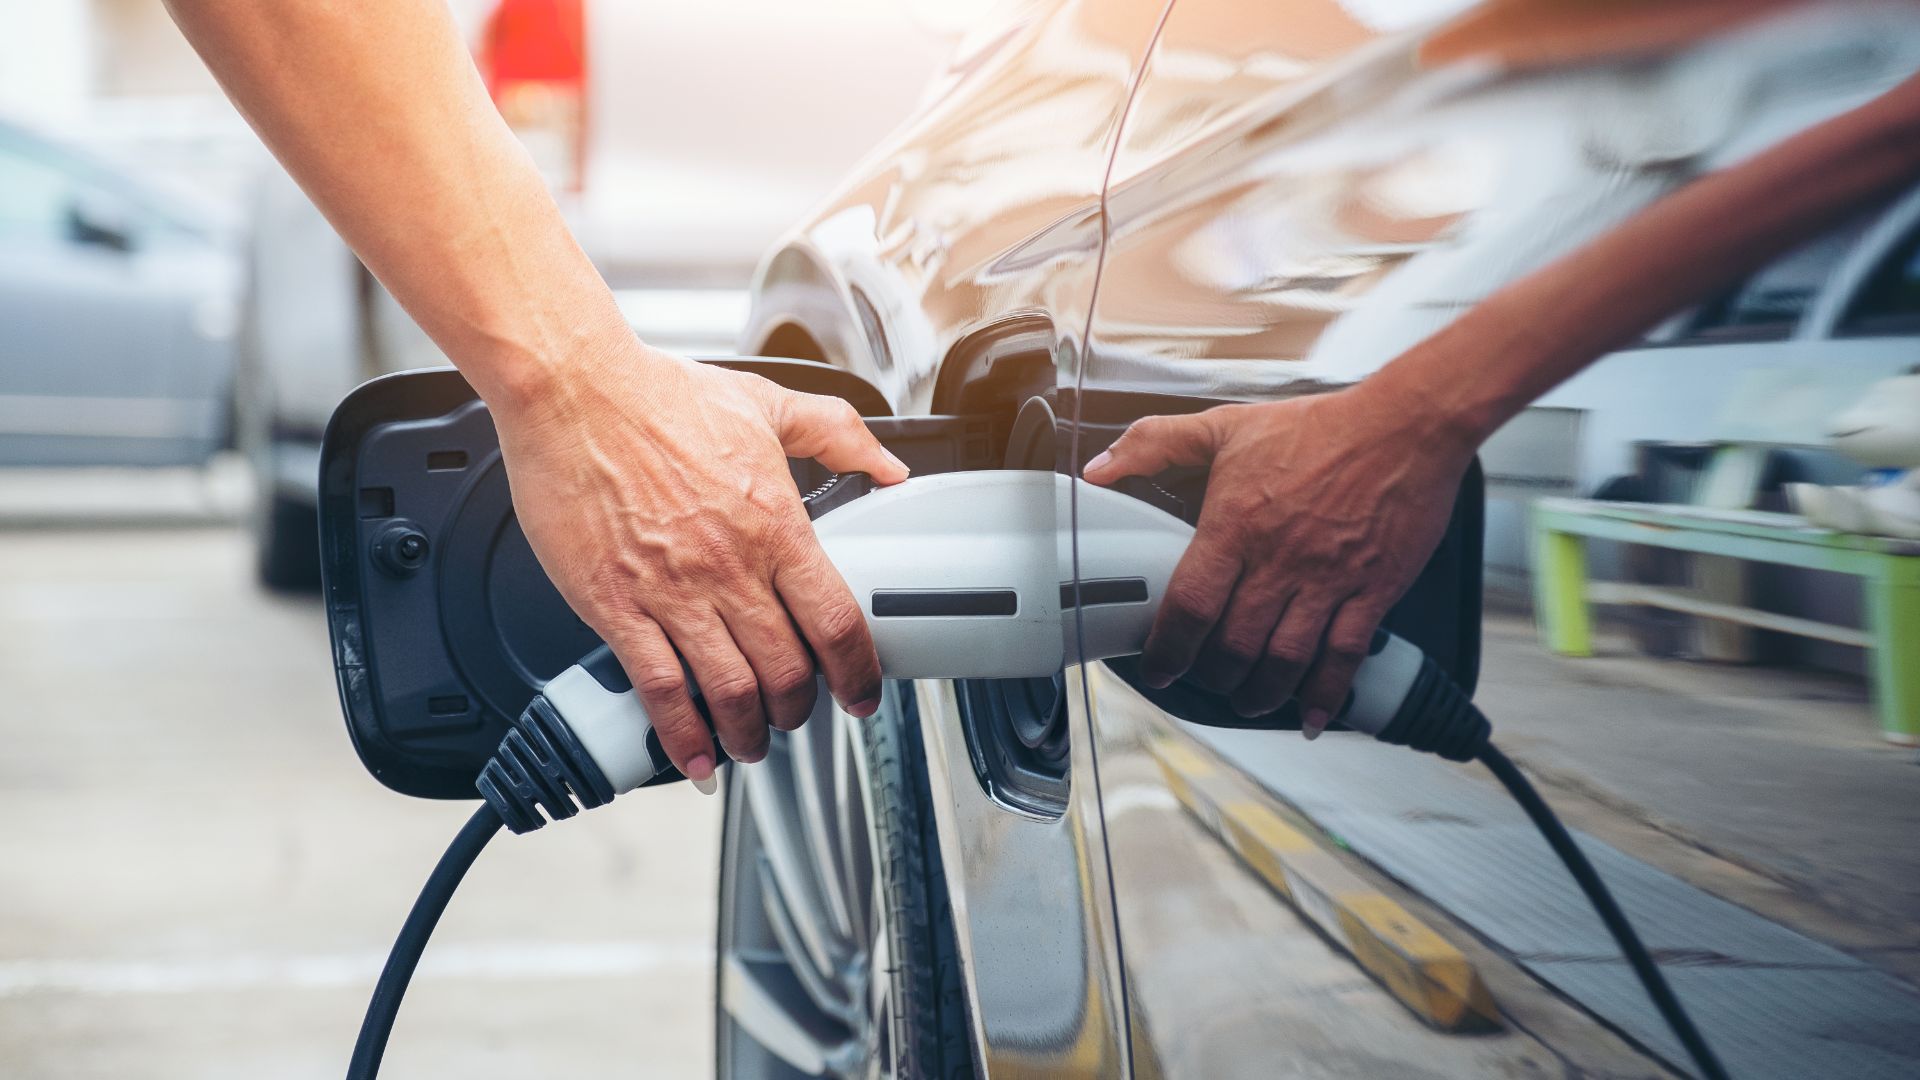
column 1889, row 570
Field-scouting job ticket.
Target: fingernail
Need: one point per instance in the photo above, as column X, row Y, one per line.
column 1099, row 460
column 1158, row 680
column 864, row 709
column 1315, row 723
column 700, row 770
column 901, row 465
column 708, row 786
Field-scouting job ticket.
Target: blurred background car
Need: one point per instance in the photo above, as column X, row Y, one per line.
column 117, row 312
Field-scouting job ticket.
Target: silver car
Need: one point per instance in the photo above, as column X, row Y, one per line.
column 117, row 310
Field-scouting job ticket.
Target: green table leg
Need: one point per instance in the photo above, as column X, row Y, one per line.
column 1893, row 614
column 1560, row 592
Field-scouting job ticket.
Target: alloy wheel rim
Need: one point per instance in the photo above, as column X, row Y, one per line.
column 804, row 935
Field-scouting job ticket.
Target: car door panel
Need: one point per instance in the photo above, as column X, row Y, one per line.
column 1296, row 200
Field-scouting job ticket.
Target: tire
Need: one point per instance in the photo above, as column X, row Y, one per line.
column 287, row 544
column 888, row 1000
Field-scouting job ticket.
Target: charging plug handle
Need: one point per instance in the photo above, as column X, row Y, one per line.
column 581, row 741
column 1402, row 696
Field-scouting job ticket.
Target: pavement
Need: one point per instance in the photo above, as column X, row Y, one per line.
column 198, row 880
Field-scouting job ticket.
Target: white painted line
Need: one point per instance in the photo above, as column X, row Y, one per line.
column 325, row 971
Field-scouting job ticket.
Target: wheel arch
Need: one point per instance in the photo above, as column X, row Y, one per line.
column 802, row 311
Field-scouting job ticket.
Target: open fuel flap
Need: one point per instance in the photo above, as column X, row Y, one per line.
column 444, row 626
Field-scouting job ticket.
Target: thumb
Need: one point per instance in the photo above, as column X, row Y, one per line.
column 1153, row 443
column 830, row 430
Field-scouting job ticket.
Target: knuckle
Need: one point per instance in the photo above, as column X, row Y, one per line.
column 733, row 692
column 658, row 682
column 1146, row 429
column 842, row 627
column 1289, row 652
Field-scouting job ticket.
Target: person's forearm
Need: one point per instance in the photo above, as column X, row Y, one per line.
column 375, row 108
column 1533, row 334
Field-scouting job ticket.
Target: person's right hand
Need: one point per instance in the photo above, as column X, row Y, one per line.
column 655, row 492
column 1320, row 511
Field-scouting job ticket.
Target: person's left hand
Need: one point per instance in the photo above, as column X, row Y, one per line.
column 1320, row 512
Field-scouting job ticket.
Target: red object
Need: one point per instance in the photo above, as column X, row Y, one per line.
column 533, row 56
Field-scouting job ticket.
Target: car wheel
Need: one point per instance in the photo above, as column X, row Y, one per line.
column 287, row 543
column 836, row 948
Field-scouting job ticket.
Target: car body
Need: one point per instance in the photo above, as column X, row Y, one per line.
column 1193, row 201
column 117, row 311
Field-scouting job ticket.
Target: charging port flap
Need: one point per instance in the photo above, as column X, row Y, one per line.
column 443, row 624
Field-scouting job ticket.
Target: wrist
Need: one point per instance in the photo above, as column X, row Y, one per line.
column 530, row 382
column 1406, row 414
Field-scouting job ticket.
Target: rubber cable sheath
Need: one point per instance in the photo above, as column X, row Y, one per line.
column 1623, row 933
column 466, row 847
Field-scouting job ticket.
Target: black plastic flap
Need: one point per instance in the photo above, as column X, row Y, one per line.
column 443, row 624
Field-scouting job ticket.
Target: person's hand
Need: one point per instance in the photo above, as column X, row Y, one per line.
column 1320, row 512
column 655, row 492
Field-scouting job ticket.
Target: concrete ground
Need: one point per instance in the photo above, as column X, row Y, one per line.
column 198, row 880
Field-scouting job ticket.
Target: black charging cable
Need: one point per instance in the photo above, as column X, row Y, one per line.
column 394, row 977
column 1602, row 900
column 1437, row 717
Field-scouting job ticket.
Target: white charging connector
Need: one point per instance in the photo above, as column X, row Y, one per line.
column 962, row 575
